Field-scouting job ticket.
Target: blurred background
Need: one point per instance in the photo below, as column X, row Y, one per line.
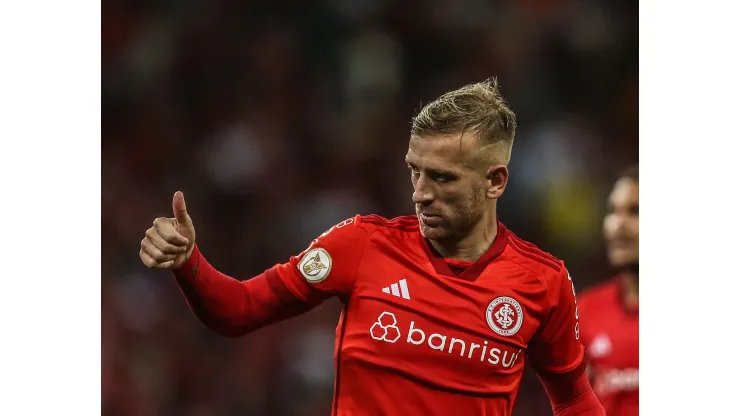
column 279, row 119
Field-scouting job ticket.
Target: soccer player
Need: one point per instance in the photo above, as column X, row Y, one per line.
column 609, row 311
column 440, row 308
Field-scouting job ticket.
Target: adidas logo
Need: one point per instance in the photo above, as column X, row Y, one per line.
column 393, row 289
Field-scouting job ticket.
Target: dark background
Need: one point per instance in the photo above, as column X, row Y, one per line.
column 279, row 119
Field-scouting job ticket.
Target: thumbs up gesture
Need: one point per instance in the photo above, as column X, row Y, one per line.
column 170, row 241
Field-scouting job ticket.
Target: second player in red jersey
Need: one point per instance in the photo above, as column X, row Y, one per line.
column 442, row 309
column 610, row 311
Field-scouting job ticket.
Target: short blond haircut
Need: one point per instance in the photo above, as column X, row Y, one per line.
column 478, row 108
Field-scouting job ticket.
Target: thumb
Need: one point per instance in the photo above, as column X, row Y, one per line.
column 180, row 210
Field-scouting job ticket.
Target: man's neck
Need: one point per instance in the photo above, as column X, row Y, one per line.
column 631, row 288
column 475, row 243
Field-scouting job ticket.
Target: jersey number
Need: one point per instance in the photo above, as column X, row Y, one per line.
column 573, row 286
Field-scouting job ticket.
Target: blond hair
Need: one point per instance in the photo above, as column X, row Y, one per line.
column 478, row 108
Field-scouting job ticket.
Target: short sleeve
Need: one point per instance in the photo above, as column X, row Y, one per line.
column 557, row 349
column 328, row 266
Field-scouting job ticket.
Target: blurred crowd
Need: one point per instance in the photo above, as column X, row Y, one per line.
column 279, row 119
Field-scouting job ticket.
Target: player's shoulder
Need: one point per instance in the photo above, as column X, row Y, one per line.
column 352, row 226
column 397, row 226
column 530, row 256
column 599, row 295
column 341, row 235
column 361, row 227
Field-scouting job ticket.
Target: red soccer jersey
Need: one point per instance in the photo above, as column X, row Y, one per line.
column 610, row 332
column 416, row 338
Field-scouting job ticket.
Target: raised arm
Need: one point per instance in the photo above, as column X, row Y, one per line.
column 232, row 307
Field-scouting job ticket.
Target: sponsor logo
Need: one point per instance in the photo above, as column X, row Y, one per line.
column 601, row 346
column 611, row 380
column 386, row 328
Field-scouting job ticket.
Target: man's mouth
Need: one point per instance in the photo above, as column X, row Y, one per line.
column 622, row 243
column 430, row 219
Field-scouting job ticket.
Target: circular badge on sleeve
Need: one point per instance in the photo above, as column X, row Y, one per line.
column 315, row 265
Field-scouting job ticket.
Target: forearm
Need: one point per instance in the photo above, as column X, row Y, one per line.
column 231, row 307
column 572, row 397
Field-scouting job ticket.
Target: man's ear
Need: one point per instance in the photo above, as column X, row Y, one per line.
column 497, row 177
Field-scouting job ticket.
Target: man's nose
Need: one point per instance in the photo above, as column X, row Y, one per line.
column 422, row 191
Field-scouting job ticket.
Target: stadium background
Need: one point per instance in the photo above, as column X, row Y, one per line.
column 279, row 119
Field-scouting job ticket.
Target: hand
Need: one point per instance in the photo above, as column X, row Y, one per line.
column 170, row 241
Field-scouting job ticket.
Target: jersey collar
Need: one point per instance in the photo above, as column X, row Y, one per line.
column 474, row 271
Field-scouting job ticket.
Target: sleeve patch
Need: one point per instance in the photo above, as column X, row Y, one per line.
column 315, row 265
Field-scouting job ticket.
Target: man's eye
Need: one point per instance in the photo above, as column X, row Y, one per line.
column 443, row 178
